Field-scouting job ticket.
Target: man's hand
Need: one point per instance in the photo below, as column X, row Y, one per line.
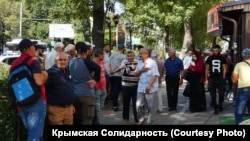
column 144, row 69
column 147, row 90
column 91, row 83
column 206, row 82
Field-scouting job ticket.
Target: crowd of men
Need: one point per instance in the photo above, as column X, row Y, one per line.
column 76, row 81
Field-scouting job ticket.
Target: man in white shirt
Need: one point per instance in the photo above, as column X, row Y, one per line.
column 148, row 74
column 50, row 57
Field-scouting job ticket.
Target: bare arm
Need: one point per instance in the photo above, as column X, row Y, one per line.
column 235, row 78
column 224, row 70
column 40, row 78
column 207, row 72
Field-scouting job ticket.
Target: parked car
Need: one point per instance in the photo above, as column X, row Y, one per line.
column 8, row 59
column 10, row 53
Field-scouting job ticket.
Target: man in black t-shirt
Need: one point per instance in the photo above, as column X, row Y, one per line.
column 216, row 69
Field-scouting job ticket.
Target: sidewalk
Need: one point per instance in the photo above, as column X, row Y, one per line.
column 180, row 117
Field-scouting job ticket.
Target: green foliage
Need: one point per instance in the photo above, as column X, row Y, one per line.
column 6, row 110
column 172, row 13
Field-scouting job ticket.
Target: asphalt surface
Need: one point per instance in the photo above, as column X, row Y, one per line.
column 180, row 117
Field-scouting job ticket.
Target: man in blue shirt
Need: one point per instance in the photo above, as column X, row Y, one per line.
column 174, row 69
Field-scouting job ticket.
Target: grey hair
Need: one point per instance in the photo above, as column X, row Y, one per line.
column 172, row 50
column 69, row 47
column 59, row 44
column 130, row 51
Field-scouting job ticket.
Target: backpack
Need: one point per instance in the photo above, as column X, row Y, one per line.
column 22, row 87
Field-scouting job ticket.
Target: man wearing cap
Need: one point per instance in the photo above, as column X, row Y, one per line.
column 116, row 75
column 81, row 69
column 241, row 77
column 33, row 116
column 50, row 58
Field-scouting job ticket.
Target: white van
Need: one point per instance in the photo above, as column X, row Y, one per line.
column 13, row 45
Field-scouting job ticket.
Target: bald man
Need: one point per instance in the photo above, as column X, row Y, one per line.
column 147, row 71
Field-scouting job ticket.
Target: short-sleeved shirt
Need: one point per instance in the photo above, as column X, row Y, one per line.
column 173, row 67
column 128, row 73
column 146, row 77
column 243, row 69
column 34, row 68
column 102, row 84
column 115, row 62
column 106, row 62
column 216, row 65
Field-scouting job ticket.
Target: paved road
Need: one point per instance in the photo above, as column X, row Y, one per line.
column 180, row 117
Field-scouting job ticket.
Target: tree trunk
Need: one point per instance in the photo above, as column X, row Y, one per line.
column 188, row 38
column 98, row 21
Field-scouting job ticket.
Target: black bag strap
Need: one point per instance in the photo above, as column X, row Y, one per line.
column 247, row 63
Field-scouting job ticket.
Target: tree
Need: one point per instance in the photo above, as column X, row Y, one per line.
column 10, row 17
column 183, row 21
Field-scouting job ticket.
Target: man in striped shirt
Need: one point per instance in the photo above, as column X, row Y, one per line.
column 129, row 85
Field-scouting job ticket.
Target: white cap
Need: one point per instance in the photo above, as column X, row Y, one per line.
column 89, row 44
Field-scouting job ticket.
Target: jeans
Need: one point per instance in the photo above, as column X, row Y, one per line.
column 33, row 117
column 149, row 99
column 100, row 97
column 242, row 101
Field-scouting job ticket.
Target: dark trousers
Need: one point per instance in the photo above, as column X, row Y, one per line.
column 172, row 90
column 129, row 93
column 116, row 87
column 217, row 84
column 84, row 110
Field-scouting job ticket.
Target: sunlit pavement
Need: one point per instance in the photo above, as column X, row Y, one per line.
column 180, row 117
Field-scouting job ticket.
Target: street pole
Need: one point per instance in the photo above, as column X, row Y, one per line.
column 130, row 37
column 110, row 35
column 116, row 21
column 20, row 18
